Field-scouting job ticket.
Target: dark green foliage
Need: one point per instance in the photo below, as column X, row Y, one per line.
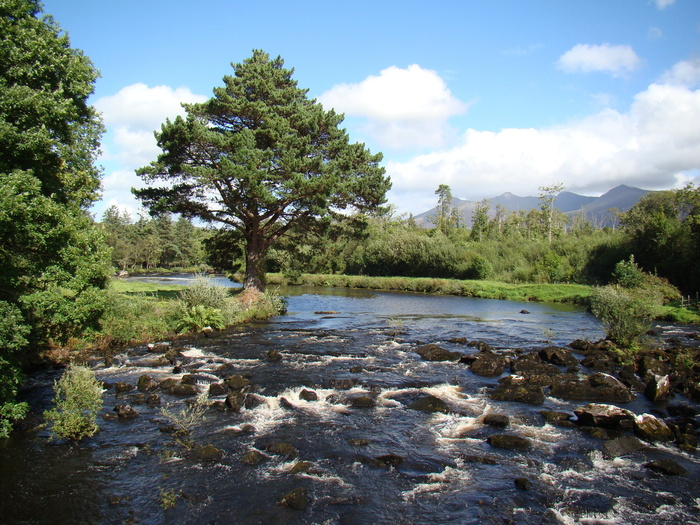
column 664, row 234
column 153, row 243
column 261, row 158
column 54, row 264
column 46, row 123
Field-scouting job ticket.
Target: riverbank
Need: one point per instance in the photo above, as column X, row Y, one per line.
column 546, row 293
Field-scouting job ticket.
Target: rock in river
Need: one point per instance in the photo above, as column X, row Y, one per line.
column 433, row 352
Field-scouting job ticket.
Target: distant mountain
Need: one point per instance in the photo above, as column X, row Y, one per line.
column 621, row 198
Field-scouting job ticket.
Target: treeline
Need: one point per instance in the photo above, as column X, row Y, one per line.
column 661, row 232
column 150, row 243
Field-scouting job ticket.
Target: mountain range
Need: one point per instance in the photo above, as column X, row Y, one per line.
column 598, row 210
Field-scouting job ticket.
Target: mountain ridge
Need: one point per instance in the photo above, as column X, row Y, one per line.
column 600, row 211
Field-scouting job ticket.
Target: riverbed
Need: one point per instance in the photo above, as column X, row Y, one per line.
column 378, row 461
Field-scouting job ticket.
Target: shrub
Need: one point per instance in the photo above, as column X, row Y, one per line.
column 77, row 402
column 195, row 318
column 13, row 334
column 202, row 291
column 184, row 419
column 625, row 314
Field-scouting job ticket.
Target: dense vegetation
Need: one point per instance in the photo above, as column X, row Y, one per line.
column 54, row 263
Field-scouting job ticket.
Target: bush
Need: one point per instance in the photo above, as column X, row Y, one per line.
column 77, row 402
column 13, row 334
column 195, row 318
column 202, row 291
column 625, row 314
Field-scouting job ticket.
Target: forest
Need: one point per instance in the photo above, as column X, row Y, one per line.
column 661, row 233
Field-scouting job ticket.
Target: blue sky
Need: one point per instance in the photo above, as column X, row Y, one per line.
column 487, row 97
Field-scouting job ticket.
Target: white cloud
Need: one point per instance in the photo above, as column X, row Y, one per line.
column 134, row 113
column 585, row 58
column 685, row 73
column 403, row 108
column 663, row 4
column 654, row 33
column 652, row 146
column 131, row 116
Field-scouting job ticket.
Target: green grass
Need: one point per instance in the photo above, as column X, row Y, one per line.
column 564, row 293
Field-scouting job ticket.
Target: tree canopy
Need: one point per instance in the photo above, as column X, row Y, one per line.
column 54, row 264
column 260, row 158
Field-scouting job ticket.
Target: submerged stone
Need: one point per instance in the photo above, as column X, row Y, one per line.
column 666, row 466
column 297, row 499
column 433, row 352
column 510, row 442
column 429, row 404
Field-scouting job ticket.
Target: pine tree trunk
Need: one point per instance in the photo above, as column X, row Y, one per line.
column 254, row 265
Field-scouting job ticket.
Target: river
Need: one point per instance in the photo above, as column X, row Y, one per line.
column 375, row 463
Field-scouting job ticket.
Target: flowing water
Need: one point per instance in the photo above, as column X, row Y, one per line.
column 381, row 464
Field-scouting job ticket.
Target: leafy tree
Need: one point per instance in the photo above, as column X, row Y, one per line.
column 548, row 195
column 480, row 220
column 54, row 263
column 663, row 230
column 444, row 193
column 260, row 158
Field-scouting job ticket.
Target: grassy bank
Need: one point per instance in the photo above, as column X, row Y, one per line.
column 139, row 312
column 563, row 293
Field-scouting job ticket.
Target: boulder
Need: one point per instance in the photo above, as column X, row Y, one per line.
column 184, row 390
column 234, row 401
column 297, row 499
column 658, row 388
column 153, row 399
column 600, row 360
column 253, row 458
column 147, row 384
column 236, row 382
column 652, row 429
column 558, row 419
column 342, row 384
column 597, row 387
column 650, row 366
column 496, row 420
column 121, row 387
column 621, row 446
column 433, row 352
column 513, row 388
column 207, row 453
column 308, row 395
column 606, row 416
column 125, row 411
column 282, row 449
column 523, row 483
column 531, row 365
column 488, row 364
column 363, row 402
column 429, row 404
column 558, row 356
column 167, row 384
column 274, row 355
column 666, row 466
column 217, row 389
column 158, row 348
column 510, row 442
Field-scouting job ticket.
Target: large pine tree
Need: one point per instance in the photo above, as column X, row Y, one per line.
column 260, row 158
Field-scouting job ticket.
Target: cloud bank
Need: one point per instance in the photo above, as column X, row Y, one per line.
column 403, row 108
column 131, row 116
column 654, row 145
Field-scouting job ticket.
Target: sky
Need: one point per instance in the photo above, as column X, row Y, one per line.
column 486, row 97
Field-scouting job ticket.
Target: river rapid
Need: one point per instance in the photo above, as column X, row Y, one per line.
column 371, row 462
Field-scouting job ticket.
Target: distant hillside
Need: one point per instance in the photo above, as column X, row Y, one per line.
column 621, row 198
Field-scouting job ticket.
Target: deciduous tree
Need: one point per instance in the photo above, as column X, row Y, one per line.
column 260, row 158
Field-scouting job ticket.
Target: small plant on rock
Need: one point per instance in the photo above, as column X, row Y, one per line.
column 77, row 402
column 186, row 417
